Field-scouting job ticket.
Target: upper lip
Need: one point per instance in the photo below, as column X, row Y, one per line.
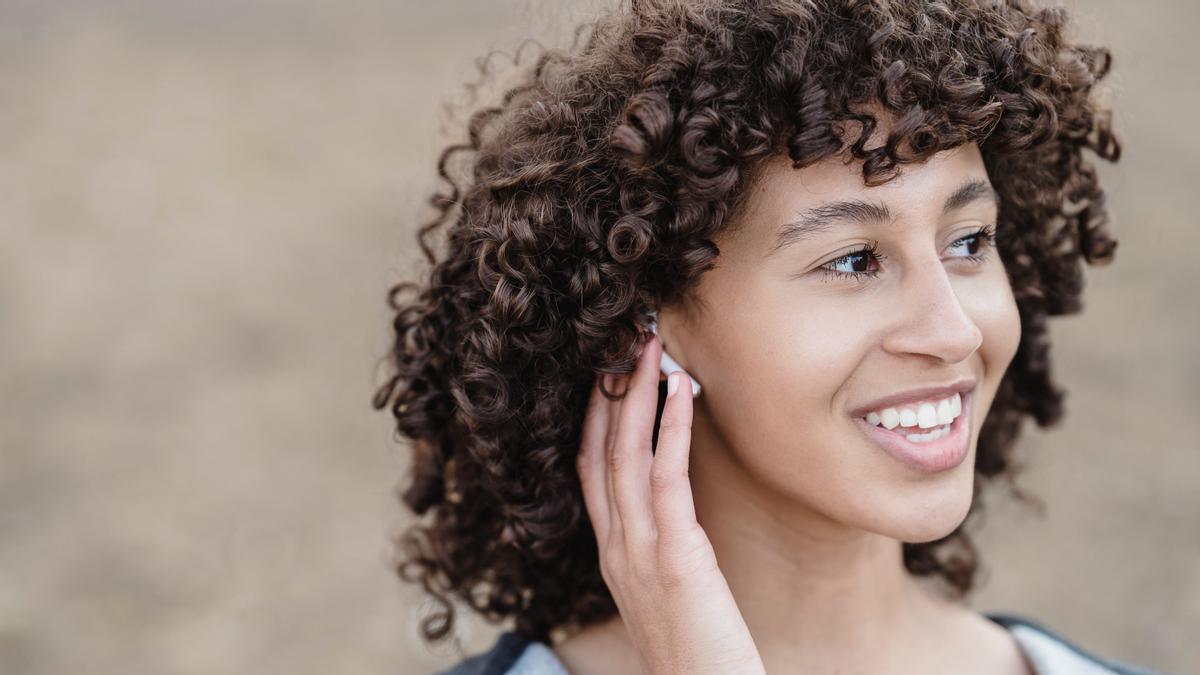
column 920, row 393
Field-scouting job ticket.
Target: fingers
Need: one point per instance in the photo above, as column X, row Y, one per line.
column 590, row 462
column 615, row 459
column 672, row 506
column 630, row 452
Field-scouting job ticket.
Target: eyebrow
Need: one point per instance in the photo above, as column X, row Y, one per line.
column 823, row 217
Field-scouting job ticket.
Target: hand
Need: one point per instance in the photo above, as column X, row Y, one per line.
column 654, row 557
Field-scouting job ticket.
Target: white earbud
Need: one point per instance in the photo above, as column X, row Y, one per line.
column 668, row 365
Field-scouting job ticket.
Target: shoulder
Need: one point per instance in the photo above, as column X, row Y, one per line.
column 1049, row 652
column 1053, row 654
column 511, row 654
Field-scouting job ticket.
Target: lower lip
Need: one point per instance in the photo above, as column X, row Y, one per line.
column 945, row 453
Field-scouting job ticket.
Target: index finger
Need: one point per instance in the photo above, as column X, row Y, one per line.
column 671, row 494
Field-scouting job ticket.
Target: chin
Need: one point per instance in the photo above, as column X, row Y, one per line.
column 935, row 514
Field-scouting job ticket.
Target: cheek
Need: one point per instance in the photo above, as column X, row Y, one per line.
column 793, row 362
column 778, row 385
column 999, row 320
column 773, row 353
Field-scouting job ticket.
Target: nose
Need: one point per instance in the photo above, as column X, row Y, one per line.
column 931, row 321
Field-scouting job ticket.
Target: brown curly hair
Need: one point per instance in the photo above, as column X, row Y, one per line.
column 597, row 187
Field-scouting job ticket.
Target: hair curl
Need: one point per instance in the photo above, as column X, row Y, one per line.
column 597, row 186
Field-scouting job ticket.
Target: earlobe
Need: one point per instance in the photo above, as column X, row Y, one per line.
column 667, row 364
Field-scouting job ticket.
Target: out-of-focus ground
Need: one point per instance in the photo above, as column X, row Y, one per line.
column 202, row 205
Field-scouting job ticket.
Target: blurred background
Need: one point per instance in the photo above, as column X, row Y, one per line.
column 202, row 205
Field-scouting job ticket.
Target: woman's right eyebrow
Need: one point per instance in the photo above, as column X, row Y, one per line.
column 823, row 217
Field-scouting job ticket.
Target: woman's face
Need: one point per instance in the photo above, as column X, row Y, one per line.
column 786, row 348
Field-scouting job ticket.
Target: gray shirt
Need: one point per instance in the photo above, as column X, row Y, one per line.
column 1049, row 652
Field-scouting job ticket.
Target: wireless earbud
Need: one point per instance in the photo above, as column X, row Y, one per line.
column 668, row 365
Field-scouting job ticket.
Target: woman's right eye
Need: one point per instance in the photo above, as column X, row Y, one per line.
column 868, row 253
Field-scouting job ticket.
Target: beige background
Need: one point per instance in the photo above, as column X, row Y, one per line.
column 201, row 207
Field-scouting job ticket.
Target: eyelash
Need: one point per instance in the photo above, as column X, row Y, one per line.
column 986, row 235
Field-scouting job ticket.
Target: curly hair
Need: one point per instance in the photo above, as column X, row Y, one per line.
column 597, row 186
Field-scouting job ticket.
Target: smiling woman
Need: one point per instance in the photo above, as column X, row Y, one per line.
column 927, row 323
column 849, row 221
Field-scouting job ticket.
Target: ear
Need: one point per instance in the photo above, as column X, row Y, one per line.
column 668, row 363
column 667, row 360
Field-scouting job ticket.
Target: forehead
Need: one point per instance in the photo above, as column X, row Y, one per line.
column 779, row 196
column 786, row 205
column 840, row 176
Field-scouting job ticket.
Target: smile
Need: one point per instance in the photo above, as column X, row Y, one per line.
column 942, row 447
column 912, row 420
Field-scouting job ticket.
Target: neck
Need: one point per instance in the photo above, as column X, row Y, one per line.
column 817, row 595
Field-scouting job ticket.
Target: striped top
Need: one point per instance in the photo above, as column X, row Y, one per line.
column 1049, row 652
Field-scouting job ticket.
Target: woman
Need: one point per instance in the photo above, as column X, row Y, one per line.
column 846, row 223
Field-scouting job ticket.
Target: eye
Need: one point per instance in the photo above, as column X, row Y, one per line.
column 868, row 253
column 984, row 240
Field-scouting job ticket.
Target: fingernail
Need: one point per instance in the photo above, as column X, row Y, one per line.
column 672, row 383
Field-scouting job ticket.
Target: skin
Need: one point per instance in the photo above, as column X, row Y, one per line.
column 804, row 513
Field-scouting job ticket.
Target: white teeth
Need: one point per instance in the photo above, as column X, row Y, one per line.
column 925, row 416
column 945, row 411
column 931, row 436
